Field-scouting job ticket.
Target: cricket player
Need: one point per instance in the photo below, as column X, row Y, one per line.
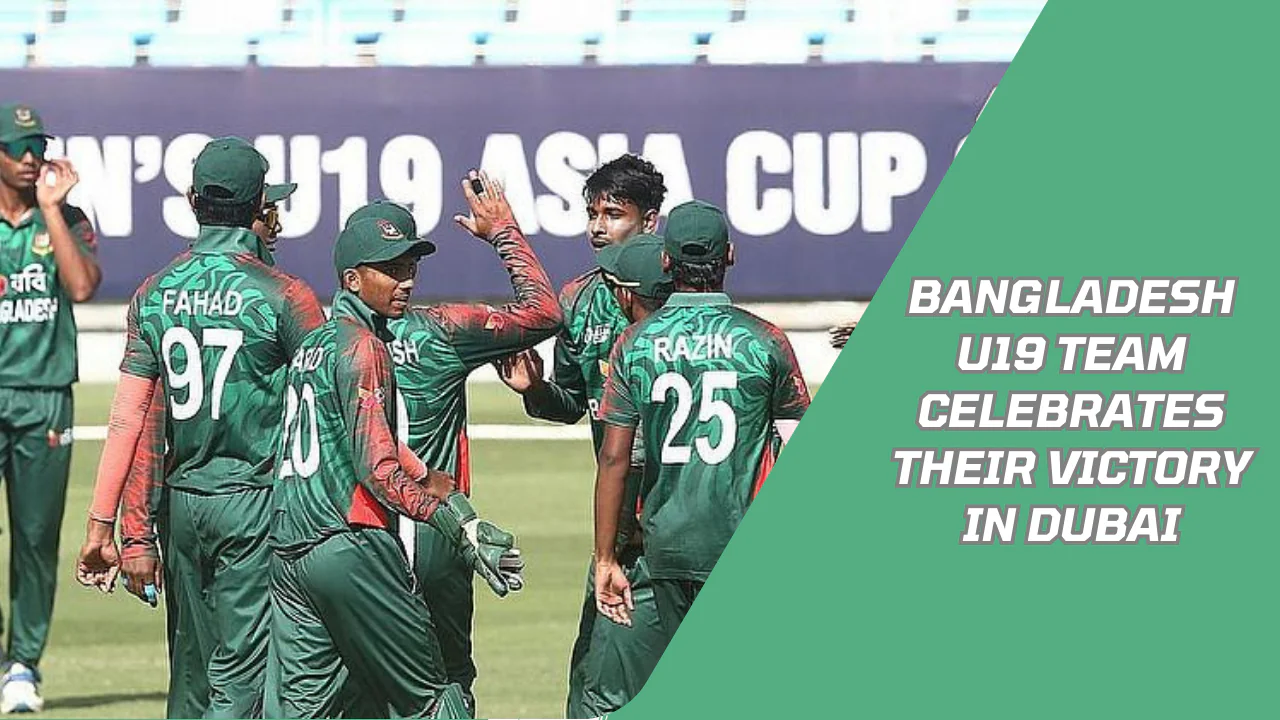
column 710, row 383
column 214, row 329
column 46, row 263
column 348, row 630
column 434, row 351
column 624, row 198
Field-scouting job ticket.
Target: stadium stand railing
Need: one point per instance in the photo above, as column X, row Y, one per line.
column 234, row 33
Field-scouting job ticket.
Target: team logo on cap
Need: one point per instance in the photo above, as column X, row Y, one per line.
column 23, row 117
column 41, row 244
column 389, row 231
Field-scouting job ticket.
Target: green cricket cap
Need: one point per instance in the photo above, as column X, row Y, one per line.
column 374, row 240
column 697, row 231
column 19, row 121
column 231, row 171
column 394, row 213
column 637, row 264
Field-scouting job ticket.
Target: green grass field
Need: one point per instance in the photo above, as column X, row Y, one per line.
column 106, row 655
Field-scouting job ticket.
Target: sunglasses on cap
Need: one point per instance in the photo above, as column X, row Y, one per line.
column 18, row 149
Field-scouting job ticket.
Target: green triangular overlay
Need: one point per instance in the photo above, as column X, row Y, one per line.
column 1127, row 139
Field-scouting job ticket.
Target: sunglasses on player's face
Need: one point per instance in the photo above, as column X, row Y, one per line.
column 18, row 149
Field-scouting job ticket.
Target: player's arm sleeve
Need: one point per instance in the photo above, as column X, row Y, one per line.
column 618, row 406
column 790, row 393
column 300, row 314
column 563, row 398
column 81, row 229
column 481, row 333
column 131, row 409
column 363, row 389
column 138, row 359
column 145, row 478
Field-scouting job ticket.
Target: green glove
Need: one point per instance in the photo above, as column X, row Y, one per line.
column 489, row 549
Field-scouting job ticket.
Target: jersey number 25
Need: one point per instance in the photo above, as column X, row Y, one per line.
column 708, row 409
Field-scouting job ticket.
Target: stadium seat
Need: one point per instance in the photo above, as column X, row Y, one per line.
column 426, row 45
column 472, row 16
column 299, row 49
column 233, row 18
column 857, row 44
column 647, row 44
column 701, row 16
column 13, row 50
column 895, row 17
column 590, row 17
column 1003, row 10
column 518, row 45
column 358, row 18
column 972, row 41
column 813, row 16
column 78, row 46
column 179, row 48
column 750, row 43
column 139, row 18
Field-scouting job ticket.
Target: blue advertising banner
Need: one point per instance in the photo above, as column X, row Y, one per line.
column 823, row 170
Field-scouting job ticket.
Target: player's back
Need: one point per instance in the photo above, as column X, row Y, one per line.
column 217, row 325
column 706, row 380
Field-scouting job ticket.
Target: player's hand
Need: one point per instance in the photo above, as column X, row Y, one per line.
column 63, row 177
column 613, row 592
column 522, row 371
column 490, row 211
column 99, row 560
column 438, row 484
column 144, row 576
column 840, row 334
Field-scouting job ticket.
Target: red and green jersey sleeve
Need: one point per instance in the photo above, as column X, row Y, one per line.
column 706, row 381
column 338, row 462
column 437, row 347
column 592, row 323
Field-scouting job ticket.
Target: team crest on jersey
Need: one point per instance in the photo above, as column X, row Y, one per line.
column 23, row 117
column 59, row 439
column 371, row 398
column 41, row 244
column 604, row 368
column 389, row 231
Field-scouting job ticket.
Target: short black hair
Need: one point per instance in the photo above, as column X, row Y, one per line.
column 652, row 304
column 629, row 178
column 213, row 213
column 700, row 276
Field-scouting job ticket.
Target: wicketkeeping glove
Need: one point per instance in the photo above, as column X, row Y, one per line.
column 489, row 549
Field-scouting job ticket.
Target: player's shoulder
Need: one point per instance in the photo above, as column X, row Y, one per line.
column 356, row 342
column 165, row 276
column 578, row 291
column 756, row 324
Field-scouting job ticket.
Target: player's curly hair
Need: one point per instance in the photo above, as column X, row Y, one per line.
column 699, row 276
column 212, row 213
column 629, row 178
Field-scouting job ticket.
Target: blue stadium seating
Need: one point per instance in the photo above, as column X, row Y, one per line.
column 81, row 46
column 427, row 45
column 510, row 32
column 13, row 51
column 748, row 43
column 647, row 44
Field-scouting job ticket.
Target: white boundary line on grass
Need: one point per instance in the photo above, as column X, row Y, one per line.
column 475, row 432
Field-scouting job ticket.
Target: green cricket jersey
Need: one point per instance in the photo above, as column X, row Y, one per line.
column 217, row 327
column 707, row 380
column 592, row 323
column 37, row 326
column 338, row 461
column 436, row 348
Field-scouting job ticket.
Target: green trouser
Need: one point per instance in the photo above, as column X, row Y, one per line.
column 611, row 662
column 35, row 460
column 347, row 631
column 217, row 565
column 445, row 584
column 674, row 598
